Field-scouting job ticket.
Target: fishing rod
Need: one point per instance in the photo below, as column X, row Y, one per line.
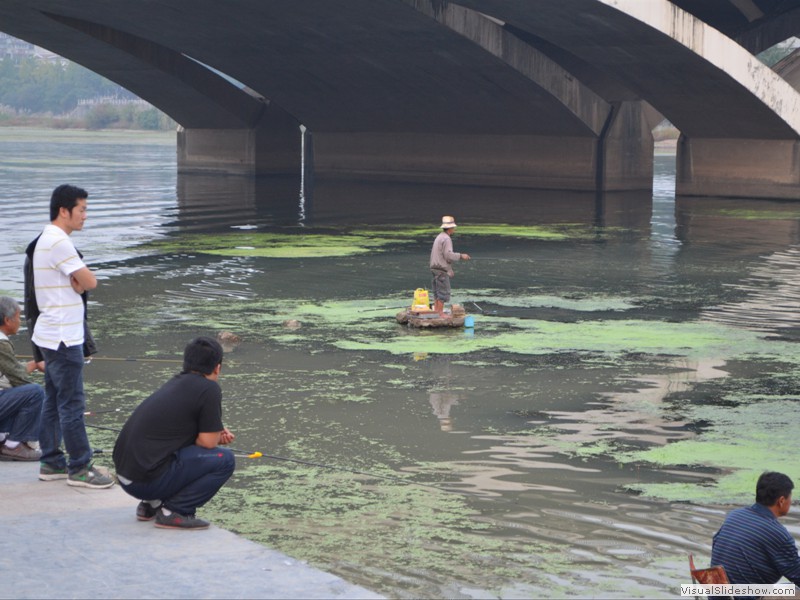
column 489, row 313
column 245, row 454
column 91, row 413
column 386, row 308
column 114, row 429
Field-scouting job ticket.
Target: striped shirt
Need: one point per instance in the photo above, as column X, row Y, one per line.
column 62, row 311
column 755, row 548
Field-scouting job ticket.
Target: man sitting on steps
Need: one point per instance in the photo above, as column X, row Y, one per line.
column 752, row 546
column 20, row 399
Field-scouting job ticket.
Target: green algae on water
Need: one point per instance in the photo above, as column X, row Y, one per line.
column 270, row 245
column 311, row 244
column 760, row 215
column 740, row 443
column 368, row 325
column 578, row 303
column 415, row 529
column 556, row 232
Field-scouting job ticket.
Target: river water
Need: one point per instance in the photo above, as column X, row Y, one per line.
column 631, row 371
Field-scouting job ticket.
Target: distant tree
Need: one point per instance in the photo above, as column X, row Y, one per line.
column 148, row 119
column 779, row 51
column 101, row 116
column 37, row 86
column 32, row 86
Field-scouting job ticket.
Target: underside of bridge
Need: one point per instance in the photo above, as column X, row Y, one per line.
column 558, row 94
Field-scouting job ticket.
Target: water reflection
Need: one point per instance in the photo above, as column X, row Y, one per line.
column 441, row 395
column 208, row 202
column 771, row 301
column 212, row 201
column 639, row 414
column 767, row 297
column 739, row 227
column 348, row 202
column 442, row 403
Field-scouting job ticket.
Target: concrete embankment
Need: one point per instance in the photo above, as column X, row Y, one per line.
column 58, row 541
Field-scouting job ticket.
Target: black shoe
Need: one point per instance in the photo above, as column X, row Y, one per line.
column 146, row 511
column 178, row 521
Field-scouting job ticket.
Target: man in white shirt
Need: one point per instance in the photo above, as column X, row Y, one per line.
column 60, row 277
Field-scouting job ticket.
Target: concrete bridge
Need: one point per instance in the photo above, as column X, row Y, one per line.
column 548, row 94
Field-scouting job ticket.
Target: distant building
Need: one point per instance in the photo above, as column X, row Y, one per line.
column 16, row 48
column 42, row 54
column 13, row 47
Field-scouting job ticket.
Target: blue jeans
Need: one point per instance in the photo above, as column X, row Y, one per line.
column 62, row 413
column 191, row 480
column 21, row 412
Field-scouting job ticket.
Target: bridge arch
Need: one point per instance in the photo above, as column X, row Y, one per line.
column 540, row 94
column 740, row 120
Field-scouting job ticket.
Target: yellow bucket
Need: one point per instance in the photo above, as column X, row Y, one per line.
column 421, row 301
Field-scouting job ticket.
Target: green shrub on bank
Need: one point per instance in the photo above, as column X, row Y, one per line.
column 32, row 91
column 104, row 116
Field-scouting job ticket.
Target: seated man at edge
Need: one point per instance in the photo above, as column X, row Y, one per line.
column 752, row 546
column 20, row 399
column 167, row 453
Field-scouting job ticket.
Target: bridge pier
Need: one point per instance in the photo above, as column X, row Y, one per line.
column 626, row 149
column 621, row 159
column 738, row 168
column 493, row 160
column 618, row 162
column 272, row 147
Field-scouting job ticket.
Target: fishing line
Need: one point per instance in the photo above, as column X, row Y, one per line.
column 130, row 359
column 334, row 467
column 516, row 259
column 115, row 359
column 256, row 454
column 114, row 429
column 231, row 362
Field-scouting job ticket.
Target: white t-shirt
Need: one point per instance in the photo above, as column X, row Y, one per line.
column 61, row 307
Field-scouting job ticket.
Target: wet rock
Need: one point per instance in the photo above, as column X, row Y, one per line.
column 228, row 340
column 292, row 324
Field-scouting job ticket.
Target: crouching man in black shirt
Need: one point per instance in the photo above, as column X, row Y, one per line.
column 167, row 454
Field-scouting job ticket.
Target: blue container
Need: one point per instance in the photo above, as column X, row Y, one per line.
column 469, row 322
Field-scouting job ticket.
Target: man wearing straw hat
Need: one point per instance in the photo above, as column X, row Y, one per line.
column 442, row 256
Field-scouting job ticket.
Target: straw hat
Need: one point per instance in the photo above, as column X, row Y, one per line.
column 448, row 223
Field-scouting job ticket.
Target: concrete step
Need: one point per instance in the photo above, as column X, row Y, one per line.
column 59, row 541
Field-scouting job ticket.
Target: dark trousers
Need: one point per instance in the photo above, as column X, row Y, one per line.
column 440, row 284
column 21, row 411
column 62, row 413
column 193, row 478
